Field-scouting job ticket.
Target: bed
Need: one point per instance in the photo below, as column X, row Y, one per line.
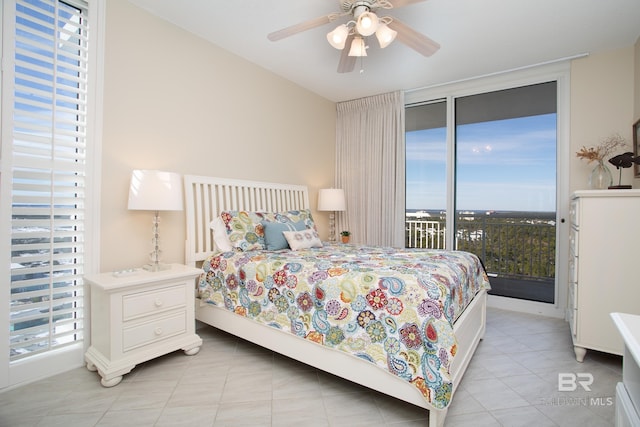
column 403, row 322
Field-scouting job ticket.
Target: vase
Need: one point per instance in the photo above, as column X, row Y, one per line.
column 600, row 178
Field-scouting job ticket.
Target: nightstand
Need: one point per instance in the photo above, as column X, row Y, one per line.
column 138, row 316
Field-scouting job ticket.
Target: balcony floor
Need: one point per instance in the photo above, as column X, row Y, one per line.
column 532, row 290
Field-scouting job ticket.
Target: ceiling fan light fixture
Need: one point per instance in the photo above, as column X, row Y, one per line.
column 338, row 37
column 385, row 35
column 367, row 23
column 358, row 48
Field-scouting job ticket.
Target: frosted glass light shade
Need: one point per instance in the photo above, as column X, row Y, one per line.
column 358, row 47
column 385, row 35
column 153, row 190
column 367, row 23
column 338, row 37
column 331, row 199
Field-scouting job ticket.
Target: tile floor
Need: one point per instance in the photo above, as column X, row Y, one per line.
column 512, row 381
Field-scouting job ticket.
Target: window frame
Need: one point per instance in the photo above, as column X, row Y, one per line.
column 57, row 360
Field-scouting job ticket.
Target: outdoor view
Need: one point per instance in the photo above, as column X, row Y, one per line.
column 48, row 150
column 505, row 187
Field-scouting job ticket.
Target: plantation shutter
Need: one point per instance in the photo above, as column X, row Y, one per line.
column 48, row 176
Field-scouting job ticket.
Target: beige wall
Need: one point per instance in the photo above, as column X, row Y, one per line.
column 602, row 103
column 175, row 102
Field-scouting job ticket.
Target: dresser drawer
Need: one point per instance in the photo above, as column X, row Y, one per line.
column 156, row 330
column 155, row 301
column 574, row 240
column 573, row 323
column 573, row 296
column 573, row 309
column 573, row 270
column 574, row 214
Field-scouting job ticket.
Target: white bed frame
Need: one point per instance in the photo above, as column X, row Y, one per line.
column 206, row 197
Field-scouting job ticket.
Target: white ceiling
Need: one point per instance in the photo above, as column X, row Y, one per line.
column 478, row 37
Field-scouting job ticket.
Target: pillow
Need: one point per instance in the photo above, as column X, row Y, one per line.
column 273, row 233
column 244, row 229
column 246, row 232
column 220, row 236
column 297, row 216
column 303, row 239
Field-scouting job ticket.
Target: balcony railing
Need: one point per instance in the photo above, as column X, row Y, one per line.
column 518, row 245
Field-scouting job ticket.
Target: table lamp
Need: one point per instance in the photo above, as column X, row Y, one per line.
column 332, row 200
column 156, row 191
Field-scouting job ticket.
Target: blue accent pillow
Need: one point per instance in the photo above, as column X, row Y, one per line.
column 274, row 233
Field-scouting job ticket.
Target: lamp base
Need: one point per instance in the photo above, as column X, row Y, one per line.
column 156, row 267
column 332, row 227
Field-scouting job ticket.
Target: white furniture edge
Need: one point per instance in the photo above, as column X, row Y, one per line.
column 206, row 197
column 623, row 321
column 627, row 410
column 625, row 414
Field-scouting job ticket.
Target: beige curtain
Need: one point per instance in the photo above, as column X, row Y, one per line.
column 370, row 167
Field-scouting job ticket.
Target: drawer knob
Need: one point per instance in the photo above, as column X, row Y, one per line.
column 158, row 302
column 158, row 331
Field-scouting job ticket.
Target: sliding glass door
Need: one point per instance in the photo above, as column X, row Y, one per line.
column 502, row 185
column 426, row 175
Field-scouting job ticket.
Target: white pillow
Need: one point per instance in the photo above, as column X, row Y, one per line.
column 303, row 239
column 220, row 236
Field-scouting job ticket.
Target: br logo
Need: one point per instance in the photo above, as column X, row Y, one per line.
column 568, row 381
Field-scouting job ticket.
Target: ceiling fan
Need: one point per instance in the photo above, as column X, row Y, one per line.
column 364, row 21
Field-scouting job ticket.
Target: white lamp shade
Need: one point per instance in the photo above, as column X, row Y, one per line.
column 358, row 48
column 385, row 35
column 153, row 190
column 338, row 37
column 367, row 23
column 331, row 199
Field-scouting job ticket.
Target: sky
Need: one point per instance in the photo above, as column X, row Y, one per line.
column 501, row 165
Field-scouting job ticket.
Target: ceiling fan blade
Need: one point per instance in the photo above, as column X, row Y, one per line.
column 303, row 26
column 415, row 40
column 401, row 3
column 347, row 63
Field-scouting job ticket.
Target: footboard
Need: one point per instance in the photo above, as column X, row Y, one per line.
column 469, row 330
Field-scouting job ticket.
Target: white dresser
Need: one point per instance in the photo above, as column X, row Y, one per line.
column 140, row 316
column 605, row 252
column 628, row 391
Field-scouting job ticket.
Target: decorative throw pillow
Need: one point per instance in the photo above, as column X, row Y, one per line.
column 303, row 239
column 297, row 216
column 244, row 229
column 220, row 236
column 273, row 233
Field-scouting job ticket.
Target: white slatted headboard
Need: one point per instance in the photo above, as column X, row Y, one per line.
column 206, row 197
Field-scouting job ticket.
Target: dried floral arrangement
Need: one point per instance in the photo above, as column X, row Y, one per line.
column 606, row 147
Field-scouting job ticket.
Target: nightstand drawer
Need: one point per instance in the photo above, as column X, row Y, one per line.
column 157, row 330
column 158, row 300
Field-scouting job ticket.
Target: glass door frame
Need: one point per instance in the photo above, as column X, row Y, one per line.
column 559, row 72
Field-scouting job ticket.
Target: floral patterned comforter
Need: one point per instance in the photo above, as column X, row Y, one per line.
column 394, row 308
